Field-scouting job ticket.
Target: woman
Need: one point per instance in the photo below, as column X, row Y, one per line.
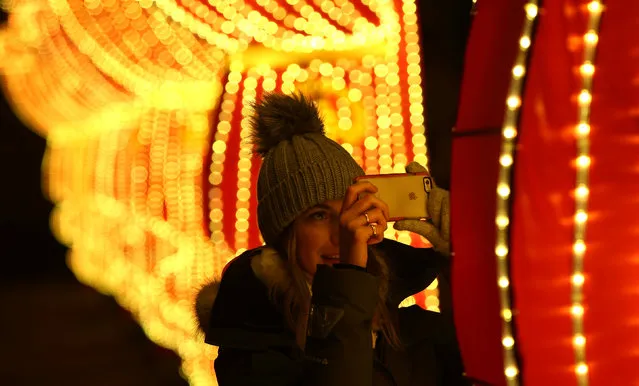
column 318, row 304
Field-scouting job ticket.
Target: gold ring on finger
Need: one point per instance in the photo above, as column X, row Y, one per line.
column 368, row 220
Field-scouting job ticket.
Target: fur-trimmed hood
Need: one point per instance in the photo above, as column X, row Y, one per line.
column 204, row 303
column 253, row 275
column 266, row 265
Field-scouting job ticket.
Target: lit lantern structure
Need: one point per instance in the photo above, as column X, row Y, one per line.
column 145, row 108
column 544, row 189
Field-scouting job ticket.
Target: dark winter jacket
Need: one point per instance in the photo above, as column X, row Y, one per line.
column 257, row 348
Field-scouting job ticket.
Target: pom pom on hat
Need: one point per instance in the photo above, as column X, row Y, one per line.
column 279, row 117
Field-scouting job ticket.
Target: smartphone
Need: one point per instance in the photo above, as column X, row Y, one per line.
column 406, row 194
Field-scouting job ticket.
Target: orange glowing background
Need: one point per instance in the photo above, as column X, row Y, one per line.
column 144, row 106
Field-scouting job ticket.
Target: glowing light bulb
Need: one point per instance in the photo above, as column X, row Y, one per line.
column 531, row 10
column 503, row 282
column 582, row 191
column 579, row 340
column 581, row 369
column 577, row 310
column 594, row 6
column 513, row 102
column 503, row 190
column 583, row 129
column 585, row 97
column 508, row 342
column 502, row 221
column 510, row 132
column 518, row 71
column 501, row 251
column 591, row 37
column 506, row 160
column 583, row 161
column 581, row 217
column 371, row 143
column 578, row 279
column 579, row 247
column 587, row 69
column 524, row 42
column 511, row 372
column 507, row 315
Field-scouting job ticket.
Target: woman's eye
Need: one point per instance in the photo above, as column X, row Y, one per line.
column 318, row 215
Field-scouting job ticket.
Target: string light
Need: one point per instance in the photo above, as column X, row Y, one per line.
column 244, row 164
column 415, row 92
column 502, row 218
column 411, row 52
column 383, row 117
column 583, row 161
column 224, row 125
column 361, row 78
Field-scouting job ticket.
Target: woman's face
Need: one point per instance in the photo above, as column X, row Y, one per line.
column 317, row 234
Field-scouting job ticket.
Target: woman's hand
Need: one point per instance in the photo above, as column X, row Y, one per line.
column 437, row 229
column 362, row 223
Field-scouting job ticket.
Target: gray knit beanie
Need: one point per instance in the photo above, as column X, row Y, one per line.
column 301, row 167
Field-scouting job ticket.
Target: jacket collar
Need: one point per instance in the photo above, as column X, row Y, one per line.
column 269, row 268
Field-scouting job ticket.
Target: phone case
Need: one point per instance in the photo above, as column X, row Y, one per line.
column 406, row 194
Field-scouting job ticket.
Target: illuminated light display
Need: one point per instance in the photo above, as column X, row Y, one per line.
column 502, row 220
column 582, row 162
column 572, row 197
column 144, row 106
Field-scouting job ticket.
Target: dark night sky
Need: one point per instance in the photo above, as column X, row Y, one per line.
column 26, row 241
column 26, row 244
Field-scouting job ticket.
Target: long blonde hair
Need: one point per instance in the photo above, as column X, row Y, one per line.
column 295, row 301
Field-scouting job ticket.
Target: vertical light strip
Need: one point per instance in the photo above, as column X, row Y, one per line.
column 392, row 81
column 224, row 125
column 414, row 93
column 354, row 96
column 363, row 80
column 414, row 79
column 172, row 171
column 195, row 125
column 157, row 153
column 245, row 164
column 382, row 111
column 502, row 220
column 269, row 83
column 582, row 132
